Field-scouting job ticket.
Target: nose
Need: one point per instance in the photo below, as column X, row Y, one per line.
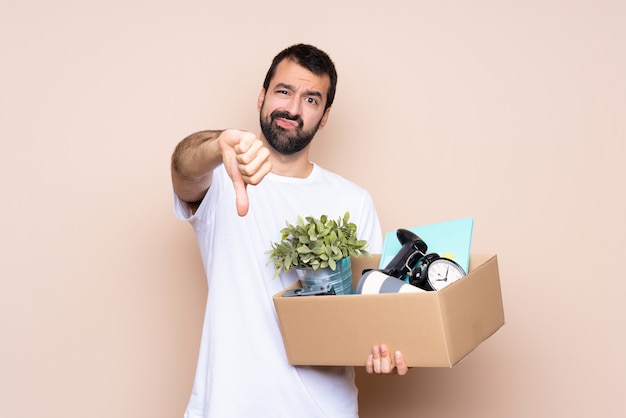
column 294, row 105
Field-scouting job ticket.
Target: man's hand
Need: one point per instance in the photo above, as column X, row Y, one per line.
column 246, row 160
column 380, row 362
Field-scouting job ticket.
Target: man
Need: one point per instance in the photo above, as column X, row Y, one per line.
column 242, row 367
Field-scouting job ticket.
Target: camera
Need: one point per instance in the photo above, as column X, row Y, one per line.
column 412, row 251
column 391, row 279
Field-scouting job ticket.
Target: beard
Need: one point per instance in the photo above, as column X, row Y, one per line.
column 280, row 139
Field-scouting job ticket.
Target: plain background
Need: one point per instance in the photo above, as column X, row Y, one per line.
column 511, row 112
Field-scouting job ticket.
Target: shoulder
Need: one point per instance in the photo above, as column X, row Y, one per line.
column 333, row 179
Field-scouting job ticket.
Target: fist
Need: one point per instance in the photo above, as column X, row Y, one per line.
column 246, row 160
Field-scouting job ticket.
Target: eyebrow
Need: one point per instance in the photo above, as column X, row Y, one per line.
column 314, row 93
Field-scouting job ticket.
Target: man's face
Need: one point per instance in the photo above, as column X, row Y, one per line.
column 292, row 108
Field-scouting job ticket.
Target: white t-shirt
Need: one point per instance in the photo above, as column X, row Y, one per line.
column 242, row 368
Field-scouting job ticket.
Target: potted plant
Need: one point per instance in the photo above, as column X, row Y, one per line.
column 319, row 249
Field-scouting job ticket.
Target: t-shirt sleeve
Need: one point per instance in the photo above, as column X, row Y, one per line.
column 369, row 225
column 184, row 212
column 181, row 209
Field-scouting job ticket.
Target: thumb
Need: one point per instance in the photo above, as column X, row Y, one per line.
column 241, row 194
column 241, row 198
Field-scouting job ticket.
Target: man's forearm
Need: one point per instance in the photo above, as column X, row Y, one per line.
column 193, row 161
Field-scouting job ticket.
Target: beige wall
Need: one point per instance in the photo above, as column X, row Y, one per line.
column 511, row 112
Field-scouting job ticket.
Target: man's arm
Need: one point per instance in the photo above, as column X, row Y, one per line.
column 245, row 159
column 193, row 161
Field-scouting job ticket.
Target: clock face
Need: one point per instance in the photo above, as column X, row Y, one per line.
column 442, row 272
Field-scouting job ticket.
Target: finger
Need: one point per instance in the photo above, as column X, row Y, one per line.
column 253, row 158
column 246, row 144
column 257, row 169
column 401, row 366
column 369, row 364
column 375, row 359
column 241, row 193
column 241, row 198
column 386, row 364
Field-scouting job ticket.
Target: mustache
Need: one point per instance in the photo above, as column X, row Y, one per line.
column 286, row 115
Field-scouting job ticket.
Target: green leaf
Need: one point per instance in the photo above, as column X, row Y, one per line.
column 303, row 249
column 332, row 264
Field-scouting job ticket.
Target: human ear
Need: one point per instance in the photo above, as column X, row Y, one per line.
column 325, row 118
column 259, row 102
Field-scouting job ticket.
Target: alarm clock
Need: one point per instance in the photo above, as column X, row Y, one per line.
column 434, row 272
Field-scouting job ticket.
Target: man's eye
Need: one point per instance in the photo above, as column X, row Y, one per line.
column 282, row 92
column 311, row 100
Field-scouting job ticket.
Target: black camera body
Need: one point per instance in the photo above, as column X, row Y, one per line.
column 405, row 261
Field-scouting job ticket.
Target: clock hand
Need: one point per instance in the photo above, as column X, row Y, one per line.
column 445, row 278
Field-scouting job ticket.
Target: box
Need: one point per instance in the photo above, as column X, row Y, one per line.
column 432, row 329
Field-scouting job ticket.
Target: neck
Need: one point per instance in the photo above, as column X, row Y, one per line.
column 293, row 165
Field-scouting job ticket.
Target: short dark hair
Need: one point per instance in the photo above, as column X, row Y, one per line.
column 313, row 59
